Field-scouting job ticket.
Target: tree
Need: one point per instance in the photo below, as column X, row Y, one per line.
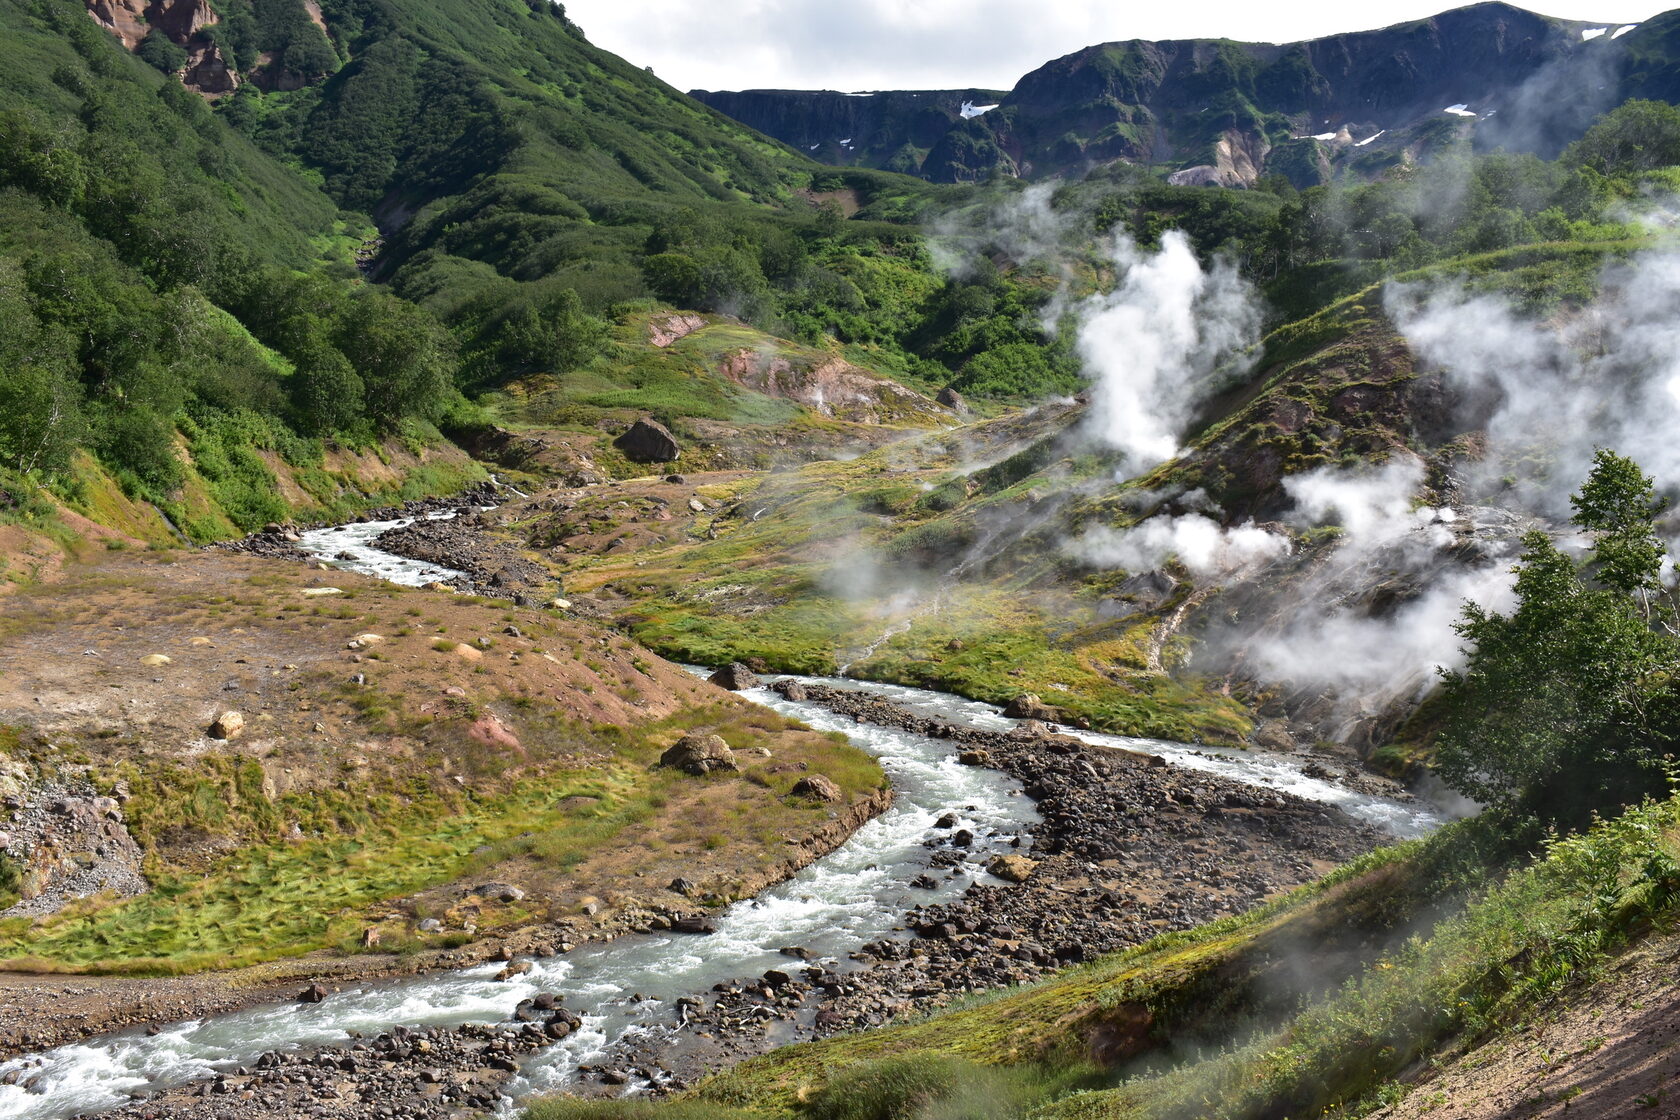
column 1568, row 704
column 1636, row 136
column 157, row 49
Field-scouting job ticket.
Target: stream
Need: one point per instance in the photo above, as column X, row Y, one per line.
column 627, row 987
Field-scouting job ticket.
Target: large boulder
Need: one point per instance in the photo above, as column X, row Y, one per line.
column 735, row 677
column 228, row 725
column 700, row 754
column 818, row 787
column 952, row 399
column 1029, row 706
column 648, row 441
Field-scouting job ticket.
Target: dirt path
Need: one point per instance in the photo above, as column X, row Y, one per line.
column 1611, row 1052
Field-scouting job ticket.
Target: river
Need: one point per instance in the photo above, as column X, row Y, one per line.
column 857, row 894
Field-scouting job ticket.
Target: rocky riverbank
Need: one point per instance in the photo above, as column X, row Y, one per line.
column 1127, row 849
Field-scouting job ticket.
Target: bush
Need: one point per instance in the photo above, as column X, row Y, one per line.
column 157, row 49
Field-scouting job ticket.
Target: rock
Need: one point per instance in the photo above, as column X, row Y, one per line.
column 312, row 994
column 696, row 505
column 156, row 659
column 975, row 758
column 700, row 754
column 469, row 653
column 792, row 690
column 228, row 725
column 648, row 441
column 501, row 892
column 560, row 604
column 315, row 591
column 1029, row 706
column 681, row 885
column 736, row 677
column 517, row 968
column 696, row 924
column 430, row 925
column 1012, row 869
column 952, row 399
column 819, row 787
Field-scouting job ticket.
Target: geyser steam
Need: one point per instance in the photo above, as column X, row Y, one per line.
column 1152, row 345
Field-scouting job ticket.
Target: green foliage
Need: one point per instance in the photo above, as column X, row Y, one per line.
column 1567, row 704
column 1635, row 136
column 158, row 50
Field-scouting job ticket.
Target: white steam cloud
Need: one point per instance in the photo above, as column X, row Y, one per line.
column 1548, row 394
column 1203, row 546
column 1152, row 345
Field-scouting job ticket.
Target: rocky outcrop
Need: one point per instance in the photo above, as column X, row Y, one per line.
column 648, row 441
column 667, row 329
column 832, row 386
column 183, row 22
column 69, row 843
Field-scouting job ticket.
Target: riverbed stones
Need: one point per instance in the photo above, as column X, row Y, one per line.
column 700, row 755
column 649, row 441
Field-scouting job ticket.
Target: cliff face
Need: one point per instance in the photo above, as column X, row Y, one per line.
column 1224, row 112
column 891, row 130
column 182, row 22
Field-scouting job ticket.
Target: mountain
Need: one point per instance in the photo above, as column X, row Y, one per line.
column 1220, row 111
column 891, row 130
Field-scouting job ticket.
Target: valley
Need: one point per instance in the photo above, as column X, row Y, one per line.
column 1143, row 595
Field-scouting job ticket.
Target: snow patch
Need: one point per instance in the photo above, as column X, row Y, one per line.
column 1368, row 139
column 860, row 95
column 1325, row 136
column 970, row 110
column 1592, row 32
column 1623, row 30
column 1459, row 110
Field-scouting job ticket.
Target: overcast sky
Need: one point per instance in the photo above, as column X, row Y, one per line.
column 953, row 44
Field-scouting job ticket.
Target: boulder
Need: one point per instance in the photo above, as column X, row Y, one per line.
column 952, row 399
column 501, row 892
column 697, row 924
column 818, row 787
column 791, row 690
column 648, row 441
column 1012, row 869
column 312, row 994
column 228, row 725
column 1029, row 706
column 735, row 677
column 700, row 754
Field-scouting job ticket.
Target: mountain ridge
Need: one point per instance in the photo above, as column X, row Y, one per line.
column 1230, row 112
